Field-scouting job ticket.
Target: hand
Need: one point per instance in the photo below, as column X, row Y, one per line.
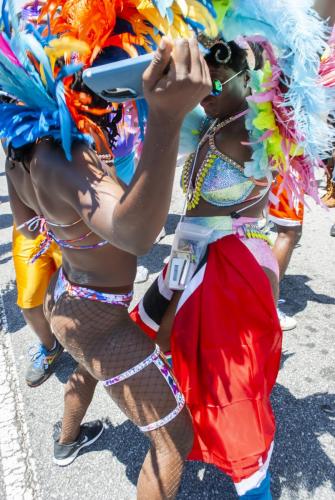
column 177, row 79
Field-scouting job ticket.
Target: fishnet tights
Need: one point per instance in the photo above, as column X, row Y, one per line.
column 105, row 342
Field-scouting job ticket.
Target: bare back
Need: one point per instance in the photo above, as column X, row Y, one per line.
column 53, row 188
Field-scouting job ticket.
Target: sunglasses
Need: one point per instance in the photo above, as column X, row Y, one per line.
column 217, row 85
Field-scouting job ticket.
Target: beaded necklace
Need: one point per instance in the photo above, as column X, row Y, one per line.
column 193, row 191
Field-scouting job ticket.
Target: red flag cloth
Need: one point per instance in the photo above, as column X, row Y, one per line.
column 226, row 347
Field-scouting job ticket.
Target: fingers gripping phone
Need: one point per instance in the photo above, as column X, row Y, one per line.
column 118, row 81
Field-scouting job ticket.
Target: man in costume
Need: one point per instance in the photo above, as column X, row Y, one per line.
column 32, row 279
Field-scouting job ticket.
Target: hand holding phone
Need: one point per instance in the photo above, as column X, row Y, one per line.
column 177, row 79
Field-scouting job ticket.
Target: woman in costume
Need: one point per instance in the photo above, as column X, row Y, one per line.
column 223, row 327
column 100, row 225
column 234, row 289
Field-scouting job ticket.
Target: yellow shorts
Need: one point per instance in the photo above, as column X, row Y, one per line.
column 32, row 280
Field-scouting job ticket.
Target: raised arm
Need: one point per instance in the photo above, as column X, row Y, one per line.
column 132, row 219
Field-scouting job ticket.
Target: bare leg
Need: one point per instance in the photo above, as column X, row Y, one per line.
column 165, row 329
column 107, row 343
column 274, row 283
column 162, row 468
column 78, row 395
column 286, row 240
column 36, row 320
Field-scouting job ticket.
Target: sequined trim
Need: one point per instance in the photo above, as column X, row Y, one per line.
column 132, row 371
column 63, row 285
column 165, row 371
column 39, row 222
column 253, row 231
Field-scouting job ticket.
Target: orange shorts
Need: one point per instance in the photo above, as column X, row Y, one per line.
column 283, row 213
column 32, row 280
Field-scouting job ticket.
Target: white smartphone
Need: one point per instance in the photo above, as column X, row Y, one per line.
column 118, row 81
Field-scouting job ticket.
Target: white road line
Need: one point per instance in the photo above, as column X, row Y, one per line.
column 18, row 467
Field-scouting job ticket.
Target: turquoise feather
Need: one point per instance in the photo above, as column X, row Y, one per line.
column 300, row 37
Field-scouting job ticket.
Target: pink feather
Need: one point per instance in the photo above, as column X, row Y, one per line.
column 7, row 51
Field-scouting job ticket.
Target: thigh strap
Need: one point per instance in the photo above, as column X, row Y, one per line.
column 163, row 367
column 132, row 371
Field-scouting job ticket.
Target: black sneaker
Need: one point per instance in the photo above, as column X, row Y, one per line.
column 41, row 364
column 65, row 454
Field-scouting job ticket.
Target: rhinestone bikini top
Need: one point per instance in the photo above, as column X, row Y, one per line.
column 220, row 180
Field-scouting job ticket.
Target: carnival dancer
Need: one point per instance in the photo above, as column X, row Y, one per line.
column 326, row 8
column 287, row 214
column 287, row 211
column 100, row 225
column 32, row 280
column 224, row 329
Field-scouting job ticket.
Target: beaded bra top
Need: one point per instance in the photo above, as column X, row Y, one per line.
column 220, row 180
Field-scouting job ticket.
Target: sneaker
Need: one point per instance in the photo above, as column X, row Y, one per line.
column 142, row 274
column 65, row 454
column 332, row 230
column 286, row 322
column 41, row 364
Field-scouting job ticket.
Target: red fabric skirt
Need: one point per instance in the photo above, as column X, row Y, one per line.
column 226, row 347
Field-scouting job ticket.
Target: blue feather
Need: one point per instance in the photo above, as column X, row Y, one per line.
column 43, row 110
column 5, row 18
column 163, row 6
column 142, row 113
column 299, row 36
column 191, row 131
column 66, row 123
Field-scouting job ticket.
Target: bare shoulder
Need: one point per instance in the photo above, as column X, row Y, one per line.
column 49, row 166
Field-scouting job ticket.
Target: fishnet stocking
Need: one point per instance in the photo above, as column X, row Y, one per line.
column 78, row 395
column 104, row 340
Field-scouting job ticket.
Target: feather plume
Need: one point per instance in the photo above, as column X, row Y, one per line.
column 299, row 36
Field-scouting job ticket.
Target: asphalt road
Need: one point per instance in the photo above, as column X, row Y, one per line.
column 303, row 465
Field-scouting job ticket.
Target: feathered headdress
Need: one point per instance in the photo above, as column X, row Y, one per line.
column 39, row 62
column 292, row 101
column 27, row 74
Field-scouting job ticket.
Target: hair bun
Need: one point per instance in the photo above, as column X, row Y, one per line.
column 255, row 56
column 222, row 52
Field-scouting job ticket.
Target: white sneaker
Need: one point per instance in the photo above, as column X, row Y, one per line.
column 142, row 274
column 286, row 322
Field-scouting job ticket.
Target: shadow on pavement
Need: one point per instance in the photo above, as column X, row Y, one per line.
column 64, row 367
column 154, row 261
column 299, row 460
column 171, row 223
column 15, row 320
column 295, row 290
column 5, row 248
column 6, row 220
